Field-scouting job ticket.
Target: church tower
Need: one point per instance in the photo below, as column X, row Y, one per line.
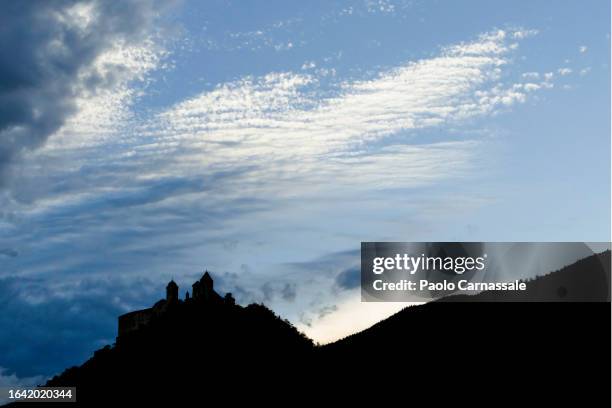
column 196, row 290
column 203, row 291
column 207, row 282
column 172, row 292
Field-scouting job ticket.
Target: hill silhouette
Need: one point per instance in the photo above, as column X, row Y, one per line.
column 202, row 352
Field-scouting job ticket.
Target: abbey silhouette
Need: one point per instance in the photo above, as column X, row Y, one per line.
column 204, row 295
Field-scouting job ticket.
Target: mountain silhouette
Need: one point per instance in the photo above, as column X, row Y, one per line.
column 207, row 350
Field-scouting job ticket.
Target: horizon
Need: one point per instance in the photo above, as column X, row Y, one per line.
column 154, row 139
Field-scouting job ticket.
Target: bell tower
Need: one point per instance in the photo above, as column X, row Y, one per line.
column 172, row 292
column 207, row 281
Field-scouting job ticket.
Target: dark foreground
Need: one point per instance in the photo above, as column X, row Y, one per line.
column 493, row 353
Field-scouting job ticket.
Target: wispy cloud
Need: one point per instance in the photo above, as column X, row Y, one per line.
column 251, row 145
column 284, row 122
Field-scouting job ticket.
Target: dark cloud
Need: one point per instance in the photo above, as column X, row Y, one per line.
column 305, row 319
column 349, row 278
column 325, row 310
column 47, row 55
column 11, row 253
column 328, row 264
column 288, row 292
column 12, row 381
column 46, row 330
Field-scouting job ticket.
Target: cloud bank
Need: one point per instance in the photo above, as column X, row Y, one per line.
column 52, row 53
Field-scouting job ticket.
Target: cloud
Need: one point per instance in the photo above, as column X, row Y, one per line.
column 583, row 49
column 286, row 119
column 289, row 292
column 309, row 65
column 393, row 8
column 10, row 380
column 276, row 35
column 48, row 325
column 9, row 252
column 349, row 278
column 286, row 123
column 564, row 71
column 380, row 6
column 122, row 196
column 531, row 75
column 326, row 310
column 54, row 53
column 190, row 178
column 521, row 34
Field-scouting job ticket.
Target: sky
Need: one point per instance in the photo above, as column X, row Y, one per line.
column 147, row 140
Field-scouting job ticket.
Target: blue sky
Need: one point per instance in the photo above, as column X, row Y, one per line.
column 265, row 141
